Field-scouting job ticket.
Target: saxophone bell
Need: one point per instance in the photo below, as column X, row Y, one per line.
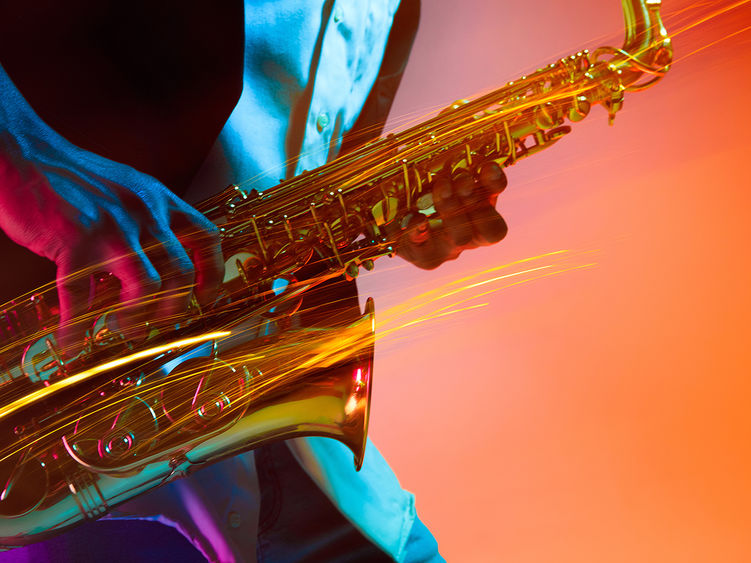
column 75, row 448
column 81, row 435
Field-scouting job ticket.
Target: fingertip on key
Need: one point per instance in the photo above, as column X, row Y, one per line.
column 493, row 177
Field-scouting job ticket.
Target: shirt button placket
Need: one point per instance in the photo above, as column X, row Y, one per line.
column 234, row 520
column 322, row 121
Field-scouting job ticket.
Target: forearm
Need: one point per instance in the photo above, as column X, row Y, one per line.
column 75, row 173
column 12, row 104
column 25, row 139
column 84, row 211
column 17, row 119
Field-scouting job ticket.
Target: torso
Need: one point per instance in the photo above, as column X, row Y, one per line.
column 286, row 90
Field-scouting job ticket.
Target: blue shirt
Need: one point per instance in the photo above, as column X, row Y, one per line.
column 309, row 68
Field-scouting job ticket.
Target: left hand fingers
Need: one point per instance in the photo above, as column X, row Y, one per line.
column 176, row 273
column 492, row 178
column 478, row 203
column 467, row 207
column 425, row 247
column 451, row 206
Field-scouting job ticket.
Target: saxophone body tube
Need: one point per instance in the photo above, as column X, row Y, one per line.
column 80, row 435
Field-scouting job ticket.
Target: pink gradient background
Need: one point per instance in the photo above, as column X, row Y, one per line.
column 600, row 415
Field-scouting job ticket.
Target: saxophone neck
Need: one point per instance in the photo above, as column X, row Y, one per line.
column 647, row 49
column 644, row 28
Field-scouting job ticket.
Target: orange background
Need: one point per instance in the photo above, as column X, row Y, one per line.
column 601, row 414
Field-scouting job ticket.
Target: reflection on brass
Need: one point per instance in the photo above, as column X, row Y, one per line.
column 83, row 430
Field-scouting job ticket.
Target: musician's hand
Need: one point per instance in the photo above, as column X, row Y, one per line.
column 89, row 214
column 466, row 207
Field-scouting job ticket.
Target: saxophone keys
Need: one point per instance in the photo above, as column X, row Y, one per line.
column 455, row 106
column 545, row 117
column 385, row 210
column 425, row 203
column 555, row 134
column 351, row 270
column 407, row 186
column 468, row 154
column 345, row 213
column 241, row 271
column 259, row 238
column 42, row 360
column 579, row 109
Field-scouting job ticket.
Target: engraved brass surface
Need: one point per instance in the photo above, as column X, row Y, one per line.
column 81, row 434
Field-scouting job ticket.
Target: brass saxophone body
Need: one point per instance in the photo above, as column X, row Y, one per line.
column 81, row 435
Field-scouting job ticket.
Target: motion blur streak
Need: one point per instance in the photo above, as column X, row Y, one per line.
column 77, row 378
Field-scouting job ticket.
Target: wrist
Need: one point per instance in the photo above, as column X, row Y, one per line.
column 13, row 107
column 19, row 121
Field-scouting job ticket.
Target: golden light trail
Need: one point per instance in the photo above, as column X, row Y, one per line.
column 73, row 379
column 445, row 314
column 387, row 332
column 382, row 160
column 440, row 292
column 292, row 357
column 713, row 43
column 708, row 17
column 391, row 320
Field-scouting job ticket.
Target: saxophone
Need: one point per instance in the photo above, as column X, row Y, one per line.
column 82, row 434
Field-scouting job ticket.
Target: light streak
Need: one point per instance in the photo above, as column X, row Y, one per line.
column 77, row 378
column 713, row 43
column 708, row 17
column 393, row 321
column 290, row 358
column 441, row 292
column 445, row 314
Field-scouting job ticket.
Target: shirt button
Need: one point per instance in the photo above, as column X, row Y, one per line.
column 234, row 520
column 322, row 121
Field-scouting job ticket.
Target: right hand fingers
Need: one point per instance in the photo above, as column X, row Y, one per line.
column 156, row 278
column 140, row 286
column 139, row 289
column 177, row 276
column 196, row 233
column 74, row 292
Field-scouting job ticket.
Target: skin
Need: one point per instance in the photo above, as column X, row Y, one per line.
column 89, row 214
column 159, row 247
column 466, row 205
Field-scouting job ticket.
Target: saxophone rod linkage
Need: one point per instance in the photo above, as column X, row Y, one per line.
column 46, row 392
